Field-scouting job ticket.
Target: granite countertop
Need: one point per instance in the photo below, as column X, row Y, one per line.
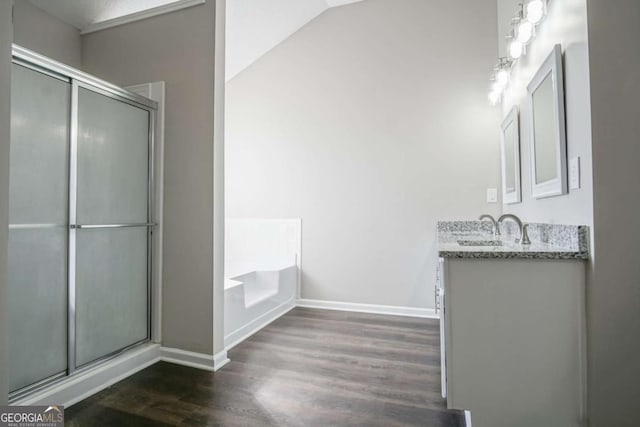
column 548, row 241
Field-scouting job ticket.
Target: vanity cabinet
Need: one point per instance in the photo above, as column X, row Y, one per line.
column 440, row 309
column 513, row 340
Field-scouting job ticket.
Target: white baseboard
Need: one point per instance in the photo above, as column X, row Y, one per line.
column 241, row 334
column 369, row 308
column 74, row 389
column 187, row 358
column 70, row 391
column 191, row 359
column 220, row 359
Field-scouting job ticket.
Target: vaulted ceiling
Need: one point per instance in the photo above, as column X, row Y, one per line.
column 254, row 27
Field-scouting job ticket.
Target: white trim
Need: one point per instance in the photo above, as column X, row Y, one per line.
column 236, row 337
column 192, row 359
column 467, row 418
column 552, row 66
column 218, row 223
column 74, row 389
column 156, row 92
column 138, row 16
column 79, row 387
column 187, row 358
column 442, row 303
column 512, row 119
column 220, row 359
column 429, row 313
column 299, row 260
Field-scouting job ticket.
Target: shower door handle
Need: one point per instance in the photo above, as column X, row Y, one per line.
column 103, row 226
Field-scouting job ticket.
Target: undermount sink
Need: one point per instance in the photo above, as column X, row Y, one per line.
column 480, row 242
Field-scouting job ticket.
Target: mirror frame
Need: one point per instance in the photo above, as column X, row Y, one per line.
column 511, row 119
column 557, row 186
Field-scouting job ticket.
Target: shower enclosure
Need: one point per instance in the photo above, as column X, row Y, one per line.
column 80, row 221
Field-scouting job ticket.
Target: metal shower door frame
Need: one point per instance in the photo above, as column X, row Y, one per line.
column 77, row 80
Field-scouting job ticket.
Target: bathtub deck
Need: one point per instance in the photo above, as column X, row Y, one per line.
column 308, row 368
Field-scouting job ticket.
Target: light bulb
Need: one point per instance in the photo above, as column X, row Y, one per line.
column 524, row 32
column 494, row 97
column 502, row 77
column 496, row 87
column 515, row 49
column 535, row 11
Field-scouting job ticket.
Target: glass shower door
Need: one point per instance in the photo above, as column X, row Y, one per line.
column 38, row 227
column 79, row 222
column 110, row 225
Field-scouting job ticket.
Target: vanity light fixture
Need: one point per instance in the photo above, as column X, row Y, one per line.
column 494, row 97
column 535, row 11
column 523, row 30
column 500, row 80
column 502, row 72
column 495, row 93
column 516, row 48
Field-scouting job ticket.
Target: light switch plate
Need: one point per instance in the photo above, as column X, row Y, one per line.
column 492, row 195
column 574, row 173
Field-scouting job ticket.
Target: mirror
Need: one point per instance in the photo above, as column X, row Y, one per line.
column 510, row 150
column 547, row 128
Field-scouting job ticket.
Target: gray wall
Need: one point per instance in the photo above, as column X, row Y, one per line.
column 177, row 48
column 566, row 24
column 218, row 176
column 370, row 123
column 614, row 296
column 37, row 30
column 6, row 38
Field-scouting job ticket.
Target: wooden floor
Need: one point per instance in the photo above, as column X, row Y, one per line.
column 308, row 368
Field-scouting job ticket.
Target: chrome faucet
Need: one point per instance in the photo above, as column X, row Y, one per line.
column 524, row 236
column 496, row 230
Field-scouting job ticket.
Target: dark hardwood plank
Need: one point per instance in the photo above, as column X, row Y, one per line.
column 308, row 368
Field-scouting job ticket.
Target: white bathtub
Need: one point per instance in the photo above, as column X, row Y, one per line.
column 255, row 299
column 262, row 269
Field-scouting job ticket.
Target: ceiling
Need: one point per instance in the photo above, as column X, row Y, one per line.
column 87, row 15
column 334, row 3
column 254, row 27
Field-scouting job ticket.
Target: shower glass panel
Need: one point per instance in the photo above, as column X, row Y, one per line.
column 38, row 230
column 112, row 216
column 113, row 153
column 111, row 292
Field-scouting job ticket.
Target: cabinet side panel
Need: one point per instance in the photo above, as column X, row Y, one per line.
column 516, row 338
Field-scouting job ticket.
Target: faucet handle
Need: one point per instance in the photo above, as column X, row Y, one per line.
column 494, row 223
column 524, row 239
